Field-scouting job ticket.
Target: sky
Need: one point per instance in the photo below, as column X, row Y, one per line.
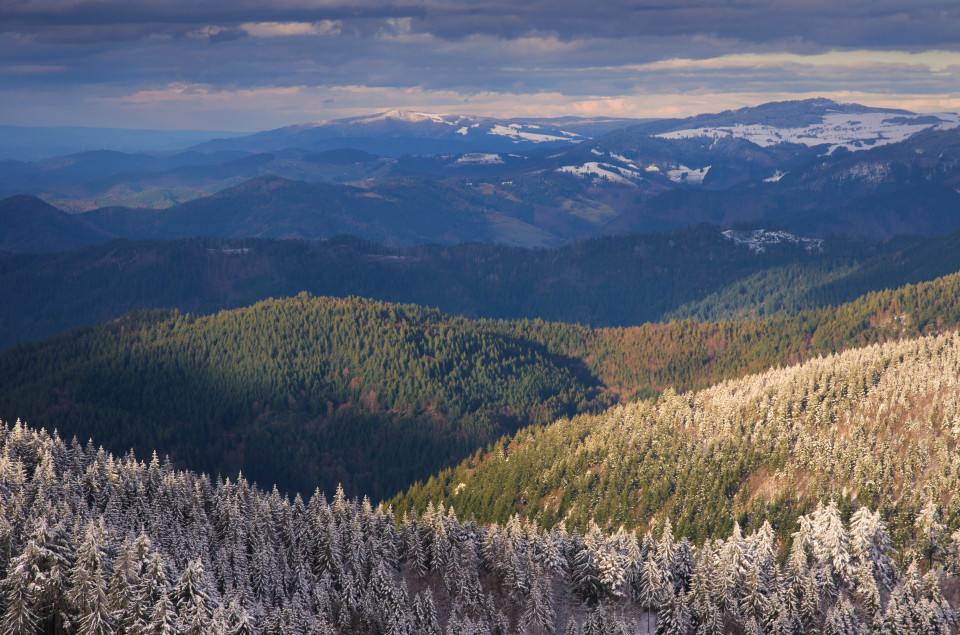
column 251, row 65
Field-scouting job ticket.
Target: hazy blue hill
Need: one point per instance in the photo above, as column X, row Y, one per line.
column 27, row 224
column 276, row 208
column 781, row 114
column 907, row 187
column 27, row 143
column 396, row 133
column 610, row 281
column 627, row 181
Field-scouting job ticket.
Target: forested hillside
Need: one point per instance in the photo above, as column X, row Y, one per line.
column 91, row 543
column 308, row 392
column 782, row 291
column 876, row 426
column 302, row 392
column 610, row 281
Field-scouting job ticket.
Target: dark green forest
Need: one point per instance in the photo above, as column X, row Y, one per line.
column 308, row 392
column 303, row 392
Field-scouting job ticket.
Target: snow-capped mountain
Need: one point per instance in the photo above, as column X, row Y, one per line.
column 836, row 128
column 399, row 132
column 759, row 143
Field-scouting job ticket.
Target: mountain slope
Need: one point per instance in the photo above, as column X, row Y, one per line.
column 874, row 425
column 400, row 211
column 907, row 187
column 159, row 550
column 295, row 389
column 303, row 392
column 626, row 181
column 610, row 281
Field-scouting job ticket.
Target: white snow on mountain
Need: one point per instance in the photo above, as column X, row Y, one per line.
column 683, row 174
column 407, row 116
column 516, row 131
column 479, row 158
column 621, row 159
column 759, row 239
column 602, row 171
column 775, row 177
column 853, row 131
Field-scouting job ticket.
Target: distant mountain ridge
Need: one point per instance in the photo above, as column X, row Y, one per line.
column 399, row 132
column 34, row 143
column 835, row 168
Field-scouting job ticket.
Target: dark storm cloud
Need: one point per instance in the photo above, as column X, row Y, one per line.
column 816, row 23
column 462, row 47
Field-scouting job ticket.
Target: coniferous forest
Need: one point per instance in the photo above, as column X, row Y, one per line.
column 776, row 452
column 311, row 392
column 814, row 497
column 93, row 543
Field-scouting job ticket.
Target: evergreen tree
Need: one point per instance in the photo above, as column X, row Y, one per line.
column 674, row 617
column 191, row 600
column 88, row 584
column 841, row 620
column 18, row 617
column 930, row 535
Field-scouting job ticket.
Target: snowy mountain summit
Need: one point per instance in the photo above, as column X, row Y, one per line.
column 812, row 122
column 396, row 132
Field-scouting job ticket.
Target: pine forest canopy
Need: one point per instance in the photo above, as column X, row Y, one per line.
column 92, row 543
column 309, row 392
column 874, row 426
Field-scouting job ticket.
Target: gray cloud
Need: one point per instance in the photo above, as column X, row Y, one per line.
column 468, row 47
column 823, row 23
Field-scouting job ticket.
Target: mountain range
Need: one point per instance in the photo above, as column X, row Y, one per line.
column 841, row 169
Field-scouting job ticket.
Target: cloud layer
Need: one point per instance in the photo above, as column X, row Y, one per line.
column 254, row 65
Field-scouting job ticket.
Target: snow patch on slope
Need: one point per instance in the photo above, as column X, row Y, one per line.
column 479, row 158
column 516, row 131
column 599, row 170
column 683, row 174
column 775, row 177
column 404, row 115
column 759, row 239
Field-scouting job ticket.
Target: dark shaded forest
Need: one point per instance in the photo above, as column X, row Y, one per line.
column 610, row 281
